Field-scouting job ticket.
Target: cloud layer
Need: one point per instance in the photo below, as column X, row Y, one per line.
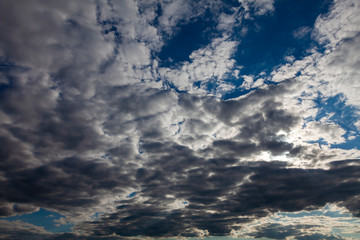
column 94, row 125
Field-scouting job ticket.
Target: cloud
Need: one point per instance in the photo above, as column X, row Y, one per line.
column 301, row 32
column 211, row 63
column 21, row 230
column 88, row 117
column 53, row 41
column 174, row 12
column 329, row 132
column 333, row 71
column 7, row 209
column 260, row 7
column 252, row 190
column 226, row 21
column 343, row 13
column 163, row 161
column 336, row 222
column 277, row 231
column 250, row 83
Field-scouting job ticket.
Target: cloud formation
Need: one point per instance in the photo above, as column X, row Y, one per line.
column 95, row 127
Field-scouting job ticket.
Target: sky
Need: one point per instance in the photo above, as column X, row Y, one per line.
column 180, row 119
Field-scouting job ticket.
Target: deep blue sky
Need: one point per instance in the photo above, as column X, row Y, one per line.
column 44, row 218
column 270, row 37
column 268, row 40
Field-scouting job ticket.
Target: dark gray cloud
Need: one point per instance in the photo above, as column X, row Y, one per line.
column 275, row 231
column 299, row 232
column 66, row 185
column 225, row 198
column 181, row 191
column 20, row 230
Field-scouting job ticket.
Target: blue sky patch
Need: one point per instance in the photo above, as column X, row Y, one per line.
column 191, row 36
column 43, row 218
column 337, row 111
column 271, row 37
column 131, row 195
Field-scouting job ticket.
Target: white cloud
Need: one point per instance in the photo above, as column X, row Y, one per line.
column 357, row 124
column 289, row 58
column 301, row 32
column 132, row 25
column 51, row 41
column 329, row 132
column 291, row 69
column 209, row 63
column 336, row 70
column 339, row 70
column 250, row 82
column 260, row 7
column 177, row 11
column 226, row 22
column 331, row 220
column 341, row 23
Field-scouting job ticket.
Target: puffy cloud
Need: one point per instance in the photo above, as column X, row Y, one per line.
column 260, row 7
column 344, row 14
column 278, row 231
column 335, row 221
column 333, row 71
column 88, row 118
column 174, row 12
column 329, row 132
column 210, row 63
column 8, row 209
column 21, row 230
column 252, row 190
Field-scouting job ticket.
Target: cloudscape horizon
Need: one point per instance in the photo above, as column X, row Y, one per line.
column 177, row 119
